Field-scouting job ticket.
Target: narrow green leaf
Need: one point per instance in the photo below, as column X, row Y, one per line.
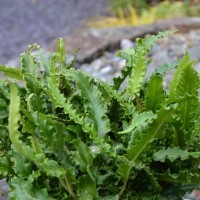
column 139, row 66
column 155, row 94
column 140, row 120
column 187, row 89
column 113, row 94
column 173, row 153
column 87, row 189
column 124, row 166
column 24, row 190
column 114, row 197
column 86, row 158
column 44, row 62
column 51, row 167
column 185, row 61
column 5, row 166
column 184, row 177
column 29, row 66
column 162, row 70
column 22, row 166
column 60, row 54
column 11, row 72
column 95, row 105
column 59, row 101
column 71, row 64
column 30, row 69
column 128, row 55
column 142, row 139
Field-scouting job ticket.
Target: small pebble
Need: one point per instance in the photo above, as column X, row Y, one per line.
column 126, row 44
column 97, row 64
column 106, row 69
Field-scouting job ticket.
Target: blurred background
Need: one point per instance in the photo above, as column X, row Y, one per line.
column 23, row 22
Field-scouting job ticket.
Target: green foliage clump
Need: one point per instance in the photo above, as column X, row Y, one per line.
column 67, row 135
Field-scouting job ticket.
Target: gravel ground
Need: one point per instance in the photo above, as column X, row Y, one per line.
column 24, row 22
column 168, row 50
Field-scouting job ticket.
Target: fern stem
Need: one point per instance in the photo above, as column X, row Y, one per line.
column 68, row 187
column 176, row 139
column 125, row 183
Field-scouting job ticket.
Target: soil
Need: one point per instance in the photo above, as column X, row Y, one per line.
column 24, row 22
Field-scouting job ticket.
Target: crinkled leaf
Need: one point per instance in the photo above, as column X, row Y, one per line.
column 86, row 158
column 162, row 70
column 140, row 141
column 11, row 72
column 174, row 153
column 184, row 177
column 95, row 105
column 155, row 94
column 60, row 54
column 59, row 100
column 24, row 190
column 14, row 116
column 185, row 61
column 139, row 66
column 124, row 166
column 87, row 189
column 187, row 88
column 140, row 120
column 128, row 55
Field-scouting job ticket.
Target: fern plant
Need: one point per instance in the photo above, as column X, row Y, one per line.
column 68, row 135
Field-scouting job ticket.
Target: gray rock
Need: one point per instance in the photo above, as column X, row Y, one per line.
column 194, row 52
column 126, row 44
column 106, row 69
column 97, row 64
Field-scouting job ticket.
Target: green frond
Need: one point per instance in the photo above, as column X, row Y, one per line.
column 94, row 104
column 173, row 153
column 24, row 189
column 87, row 189
column 59, row 100
column 139, row 121
column 187, row 91
column 68, row 135
column 128, row 55
column 53, row 69
column 136, row 64
column 11, row 72
column 162, row 70
column 58, row 62
column 30, row 68
column 44, row 63
column 72, row 62
column 113, row 94
column 60, row 54
column 155, row 94
column 185, row 61
column 29, row 65
column 140, row 62
column 184, row 177
column 123, row 167
column 150, row 40
column 46, row 164
column 37, row 101
column 144, row 138
column 138, row 70
column 86, row 158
